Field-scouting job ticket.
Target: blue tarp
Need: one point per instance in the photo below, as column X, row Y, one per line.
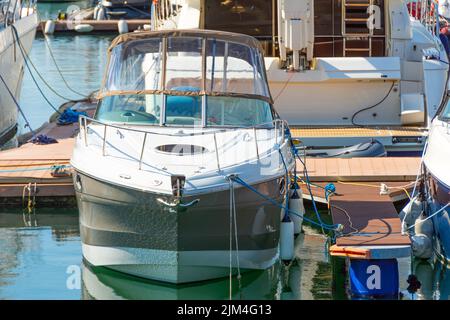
column 69, row 116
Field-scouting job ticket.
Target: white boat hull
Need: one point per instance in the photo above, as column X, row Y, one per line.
column 132, row 232
column 12, row 70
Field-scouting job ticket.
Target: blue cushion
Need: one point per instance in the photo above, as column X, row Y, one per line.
column 187, row 106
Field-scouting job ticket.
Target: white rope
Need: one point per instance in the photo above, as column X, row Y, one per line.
column 236, row 239
column 429, row 217
column 415, row 183
column 231, row 238
column 233, row 215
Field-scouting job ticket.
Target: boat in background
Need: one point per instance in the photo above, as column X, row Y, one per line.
column 124, row 9
column 341, row 72
column 20, row 16
column 56, row 1
column 181, row 116
column 437, row 180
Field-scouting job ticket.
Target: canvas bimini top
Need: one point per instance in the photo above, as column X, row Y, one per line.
column 186, row 77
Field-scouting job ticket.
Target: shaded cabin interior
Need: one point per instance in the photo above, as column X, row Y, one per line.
column 340, row 26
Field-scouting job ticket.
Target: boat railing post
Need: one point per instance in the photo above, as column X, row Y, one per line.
column 217, row 152
column 104, row 141
column 256, row 142
column 282, row 131
column 142, row 151
column 80, row 126
column 85, row 131
column 276, row 131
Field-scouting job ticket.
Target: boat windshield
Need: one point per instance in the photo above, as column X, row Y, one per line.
column 186, row 80
column 445, row 114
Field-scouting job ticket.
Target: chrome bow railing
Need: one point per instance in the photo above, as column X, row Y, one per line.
column 278, row 125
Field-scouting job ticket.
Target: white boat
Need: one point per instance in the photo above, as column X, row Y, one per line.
column 19, row 16
column 181, row 113
column 437, row 180
column 341, row 72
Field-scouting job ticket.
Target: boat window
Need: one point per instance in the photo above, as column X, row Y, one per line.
column 445, row 115
column 181, row 149
column 183, row 110
column 186, row 81
column 135, row 109
column 184, row 63
column 242, row 16
column 233, row 67
column 136, row 65
column 237, row 112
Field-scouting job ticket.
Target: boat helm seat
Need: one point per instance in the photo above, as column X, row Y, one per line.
column 183, row 110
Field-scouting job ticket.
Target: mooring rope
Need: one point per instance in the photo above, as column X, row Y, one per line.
column 231, row 241
column 275, row 203
column 57, row 66
column 236, row 239
column 16, row 34
column 430, row 216
column 27, row 123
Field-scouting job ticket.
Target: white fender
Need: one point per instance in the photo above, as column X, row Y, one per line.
column 49, row 27
column 422, row 246
column 101, row 13
column 296, row 205
column 83, row 28
column 287, row 241
column 423, row 226
column 122, row 26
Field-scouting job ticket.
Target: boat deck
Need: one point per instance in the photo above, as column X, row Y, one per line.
column 403, row 139
column 331, row 132
column 362, row 169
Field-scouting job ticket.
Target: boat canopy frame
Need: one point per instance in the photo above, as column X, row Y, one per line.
column 227, row 37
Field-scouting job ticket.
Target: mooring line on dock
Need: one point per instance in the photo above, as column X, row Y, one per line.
column 33, row 164
column 36, row 169
column 403, row 187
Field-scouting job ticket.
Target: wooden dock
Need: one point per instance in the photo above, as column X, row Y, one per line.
column 98, row 25
column 29, row 171
column 372, row 228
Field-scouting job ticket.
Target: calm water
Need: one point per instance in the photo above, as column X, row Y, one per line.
column 40, row 256
column 41, row 259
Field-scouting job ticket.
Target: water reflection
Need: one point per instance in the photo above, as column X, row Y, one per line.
column 434, row 279
column 102, row 283
column 34, row 261
column 305, row 278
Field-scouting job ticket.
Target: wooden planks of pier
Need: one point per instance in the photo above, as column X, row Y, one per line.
column 372, row 228
column 27, row 170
